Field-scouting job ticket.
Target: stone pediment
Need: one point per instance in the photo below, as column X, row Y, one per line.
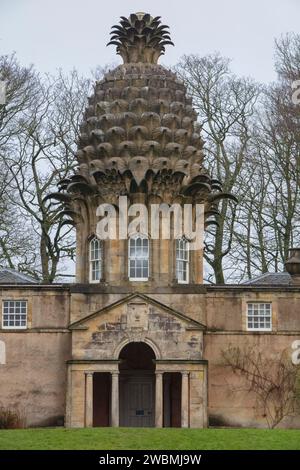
column 138, row 309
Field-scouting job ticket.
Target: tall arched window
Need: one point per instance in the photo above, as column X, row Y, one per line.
column 182, row 261
column 138, row 258
column 95, row 260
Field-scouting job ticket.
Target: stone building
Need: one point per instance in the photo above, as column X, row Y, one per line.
column 138, row 339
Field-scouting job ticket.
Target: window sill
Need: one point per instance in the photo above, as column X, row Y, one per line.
column 11, row 328
column 259, row 330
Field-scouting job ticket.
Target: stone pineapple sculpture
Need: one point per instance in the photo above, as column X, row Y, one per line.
column 140, row 38
column 139, row 133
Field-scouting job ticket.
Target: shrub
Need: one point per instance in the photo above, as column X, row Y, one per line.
column 11, row 419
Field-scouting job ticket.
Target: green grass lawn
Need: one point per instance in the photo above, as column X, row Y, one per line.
column 149, row 439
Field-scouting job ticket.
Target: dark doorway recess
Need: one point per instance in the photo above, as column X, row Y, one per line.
column 101, row 399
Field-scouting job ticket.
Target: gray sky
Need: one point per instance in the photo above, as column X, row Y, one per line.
column 67, row 33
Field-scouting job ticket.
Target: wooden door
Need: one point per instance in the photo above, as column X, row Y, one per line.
column 137, row 402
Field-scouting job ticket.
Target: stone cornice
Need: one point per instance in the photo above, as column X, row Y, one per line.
column 34, row 330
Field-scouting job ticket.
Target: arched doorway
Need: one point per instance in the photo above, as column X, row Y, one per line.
column 137, row 385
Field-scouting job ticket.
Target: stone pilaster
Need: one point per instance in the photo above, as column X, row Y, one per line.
column 159, row 400
column 115, row 399
column 184, row 399
column 89, row 399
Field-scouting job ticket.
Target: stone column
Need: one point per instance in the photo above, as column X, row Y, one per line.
column 115, row 399
column 69, row 397
column 89, row 399
column 154, row 260
column 184, row 399
column 159, row 400
column 164, row 261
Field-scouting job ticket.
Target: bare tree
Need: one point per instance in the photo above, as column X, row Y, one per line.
column 38, row 132
column 226, row 106
column 274, row 382
column 253, row 146
column 43, row 154
column 21, row 83
column 269, row 214
column 287, row 57
column 16, row 239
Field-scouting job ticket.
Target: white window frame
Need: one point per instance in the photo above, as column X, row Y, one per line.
column 185, row 260
column 133, row 259
column 93, row 260
column 14, row 313
column 262, row 313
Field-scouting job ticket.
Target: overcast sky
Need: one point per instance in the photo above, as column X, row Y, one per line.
column 68, row 33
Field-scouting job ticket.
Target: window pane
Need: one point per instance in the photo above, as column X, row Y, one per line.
column 132, row 272
column 182, row 260
column 259, row 316
column 138, row 263
column 14, row 314
column 138, row 257
column 95, row 260
column 138, row 272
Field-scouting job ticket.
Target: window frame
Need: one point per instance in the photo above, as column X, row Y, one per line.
column 130, row 258
column 95, row 260
column 259, row 315
column 183, row 260
column 14, row 327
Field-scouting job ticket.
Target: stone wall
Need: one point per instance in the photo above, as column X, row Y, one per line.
column 33, row 378
column 33, row 361
column 229, row 402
